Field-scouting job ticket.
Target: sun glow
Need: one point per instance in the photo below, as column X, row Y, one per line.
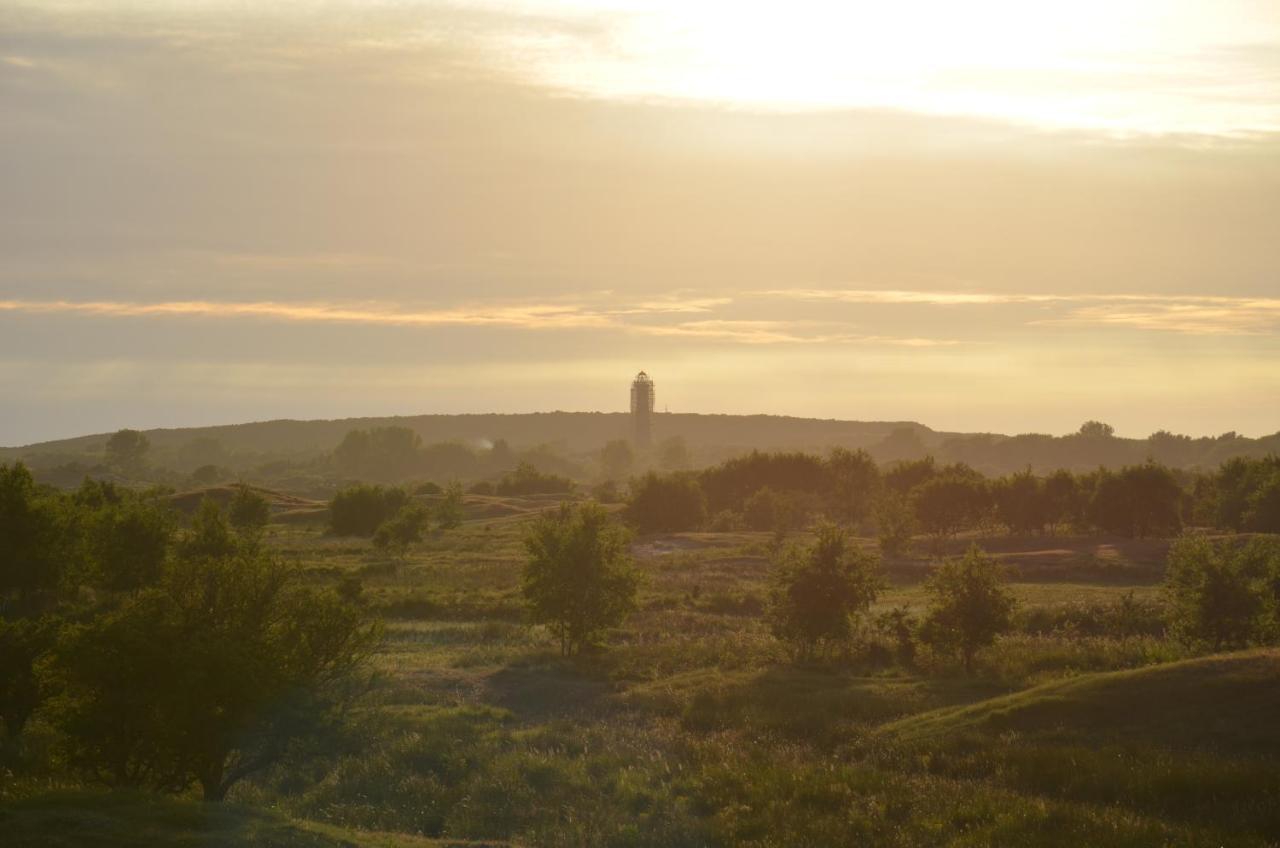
column 1121, row 66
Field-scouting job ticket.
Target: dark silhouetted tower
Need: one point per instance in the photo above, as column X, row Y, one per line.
column 642, row 409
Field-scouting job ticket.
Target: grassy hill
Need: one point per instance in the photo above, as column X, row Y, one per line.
column 1226, row 703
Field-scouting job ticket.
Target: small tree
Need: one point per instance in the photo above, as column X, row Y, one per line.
column 579, row 579
column 854, row 482
column 1211, row 601
column 23, row 642
column 949, row 503
column 248, row 510
column 126, row 449
column 403, row 529
column 969, row 605
column 450, row 511
column 210, row 536
column 819, row 591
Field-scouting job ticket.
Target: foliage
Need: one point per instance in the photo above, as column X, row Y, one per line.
column 1137, row 501
column 126, row 449
column 578, row 579
column 1022, row 502
column 382, row 453
column 730, row 484
column 969, row 605
column 359, row 510
column 1246, row 494
column 819, row 591
column 666, row 503
column 32, row 540
column 616, row 459
column 778, row 511
column 403, row 529
column 248, row 511
column 23, row 642
column 526, row 479
column 1210, row 596
column 449, row 512
column 207, row 677
column 950, row 502
column 126, row 538
column 895, row 522
column 210, row 536
column 855, row 481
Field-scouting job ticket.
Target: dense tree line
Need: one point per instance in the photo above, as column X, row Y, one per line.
column 786, row 491
column 163, row 655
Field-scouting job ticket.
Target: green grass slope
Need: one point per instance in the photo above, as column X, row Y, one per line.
column 1226, row 702
column 88, row 819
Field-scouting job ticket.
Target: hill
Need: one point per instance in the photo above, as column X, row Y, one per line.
column 579, row 435
column 1226, row 702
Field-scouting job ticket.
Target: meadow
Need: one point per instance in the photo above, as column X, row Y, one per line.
column 692, row 725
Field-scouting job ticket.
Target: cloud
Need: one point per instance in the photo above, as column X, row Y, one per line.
column 1192, row 314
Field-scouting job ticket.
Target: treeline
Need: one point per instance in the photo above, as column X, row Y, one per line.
column 160, row 653
column 787, row 491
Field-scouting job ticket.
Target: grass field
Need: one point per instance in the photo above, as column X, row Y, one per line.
column 693, row 727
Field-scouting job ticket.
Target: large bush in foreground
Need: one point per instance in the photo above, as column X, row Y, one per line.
column 969, row 605
column 206, row 677
column 579, row 579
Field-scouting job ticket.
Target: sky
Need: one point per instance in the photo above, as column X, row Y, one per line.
column 987, row 216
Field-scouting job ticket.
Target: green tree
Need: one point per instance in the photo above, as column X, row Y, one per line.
column 616, row 459
column 359, row 510
column 855, row 481
column 450, row 511
column 895, row 523
column 126, row 449
column 126, row 540
column 208, row 677
column 248, row 511
column 579, row 579
column 1022, row 503
column 382, row 453
column 210, row 535
column 23, row 642
column 1137, row 501
column 946, row 504
column 402, row 530
column 666, row 503
column 969, row 605
column 33, row 540
column 819, row 591
column 1063, row 502
column 1210, row 597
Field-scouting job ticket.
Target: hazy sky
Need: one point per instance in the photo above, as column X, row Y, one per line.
column 991, row 215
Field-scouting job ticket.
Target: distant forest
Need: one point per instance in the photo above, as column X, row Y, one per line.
column 315, row 456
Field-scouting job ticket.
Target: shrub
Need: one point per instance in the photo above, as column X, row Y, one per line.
column 1211, row 601
column 968, row 605
column 403, row 529
column 528, row 480
column 208, row 676
column 896, row 523
column 358, row 510
column 1137, row 501
column 248, row 510
column 578, row 579
column 450, row 512
column 818, row 591
column 666, row 503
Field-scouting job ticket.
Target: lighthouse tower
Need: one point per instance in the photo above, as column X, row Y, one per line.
column 642, row 410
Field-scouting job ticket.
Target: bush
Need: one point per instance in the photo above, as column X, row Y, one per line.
column 528, row 480
column 248, row 510
column 450, row 511
column 896, row 523
column 1137, row 501
column 403, row 529
column 666, row 503
column 359, row 510
column 968, row 605
column 207, row 677
column 817, row 592
column 579, row 579
column 1211, row 599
